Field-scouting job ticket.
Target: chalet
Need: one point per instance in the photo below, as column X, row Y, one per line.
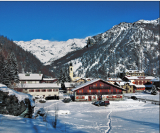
column 134, row 73
column 132, row 88
column 97, row 89
column 140, row 88
column 138, row 80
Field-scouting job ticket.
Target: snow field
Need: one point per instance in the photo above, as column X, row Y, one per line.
column 128, row 116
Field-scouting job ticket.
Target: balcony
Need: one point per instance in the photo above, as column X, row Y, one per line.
column 98, row 93
column 99, row 87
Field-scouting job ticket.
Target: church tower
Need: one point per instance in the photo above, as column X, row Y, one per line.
column 71, row 71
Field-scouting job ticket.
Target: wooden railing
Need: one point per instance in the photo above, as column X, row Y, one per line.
column 98, row 93
column 99, row 87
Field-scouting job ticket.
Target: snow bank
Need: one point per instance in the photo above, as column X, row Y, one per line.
column 21, row 96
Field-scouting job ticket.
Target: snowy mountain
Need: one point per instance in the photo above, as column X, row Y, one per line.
column 48, row 51
column 124, row 46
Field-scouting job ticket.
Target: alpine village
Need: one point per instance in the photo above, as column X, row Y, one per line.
column 111, row 67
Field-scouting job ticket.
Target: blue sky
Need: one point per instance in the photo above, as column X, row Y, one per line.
column 60, row 21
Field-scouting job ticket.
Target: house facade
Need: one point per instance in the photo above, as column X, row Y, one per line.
column 39, row 89
column 138, row 80
column 97, row 89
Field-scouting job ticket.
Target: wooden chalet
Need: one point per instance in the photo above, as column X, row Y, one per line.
column 97, row 89
column 138, row 80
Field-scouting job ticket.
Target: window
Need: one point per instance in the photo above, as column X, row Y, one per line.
column 37, row 90
column 101, row 85
column 94, row 85
column 31, row 90
column 49, row 90
column 43, row 90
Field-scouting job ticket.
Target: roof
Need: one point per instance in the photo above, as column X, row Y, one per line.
column 139, row 77
column 92, row 81
column 46, row 79
column 114, row 79
column 23, row 76
column 123, row 83
column 134, row 71
column 140, row 86
column 157, row 79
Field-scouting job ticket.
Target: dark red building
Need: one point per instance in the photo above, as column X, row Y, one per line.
column 97, row 89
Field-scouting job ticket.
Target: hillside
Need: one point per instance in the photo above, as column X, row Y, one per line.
column 25, row 59
column 124, row 46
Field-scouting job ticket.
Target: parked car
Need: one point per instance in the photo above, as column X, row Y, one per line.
column 134, row 97
column 101, row 103
column 66, row 100
column 52, row 97
column 42, row 100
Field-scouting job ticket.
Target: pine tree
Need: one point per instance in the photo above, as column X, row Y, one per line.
column 153, row 90
column 5, row 74
column 13, row 68
column 60, row 77
column 1, row 65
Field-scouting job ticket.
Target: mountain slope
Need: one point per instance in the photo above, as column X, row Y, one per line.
column 48, row 51
column 124, row 46
column 25, row 59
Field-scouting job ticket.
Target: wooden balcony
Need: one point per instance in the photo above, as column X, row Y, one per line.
column 99, row 93
column 99, row 87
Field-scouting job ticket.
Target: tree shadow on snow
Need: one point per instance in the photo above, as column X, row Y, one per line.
column 152, row 125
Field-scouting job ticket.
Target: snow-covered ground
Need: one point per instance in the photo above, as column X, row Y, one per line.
column 128, row 116
column 144, row 96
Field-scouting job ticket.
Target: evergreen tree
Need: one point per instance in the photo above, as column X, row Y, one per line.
column 1, row 65
column 60, row 77
column 5, row 74
column 153, row 90
column 13, row 68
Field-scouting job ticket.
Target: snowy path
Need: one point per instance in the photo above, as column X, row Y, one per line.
column 109, row 123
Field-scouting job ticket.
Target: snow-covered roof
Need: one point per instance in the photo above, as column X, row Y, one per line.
column 21, row 96
column 32, row 76
column 157, row 79
column 123, row 83
column 141, row 86
column 46, row 79
column 92, row 81
column 114, row 79
column 139, row 77
column 134, row 71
